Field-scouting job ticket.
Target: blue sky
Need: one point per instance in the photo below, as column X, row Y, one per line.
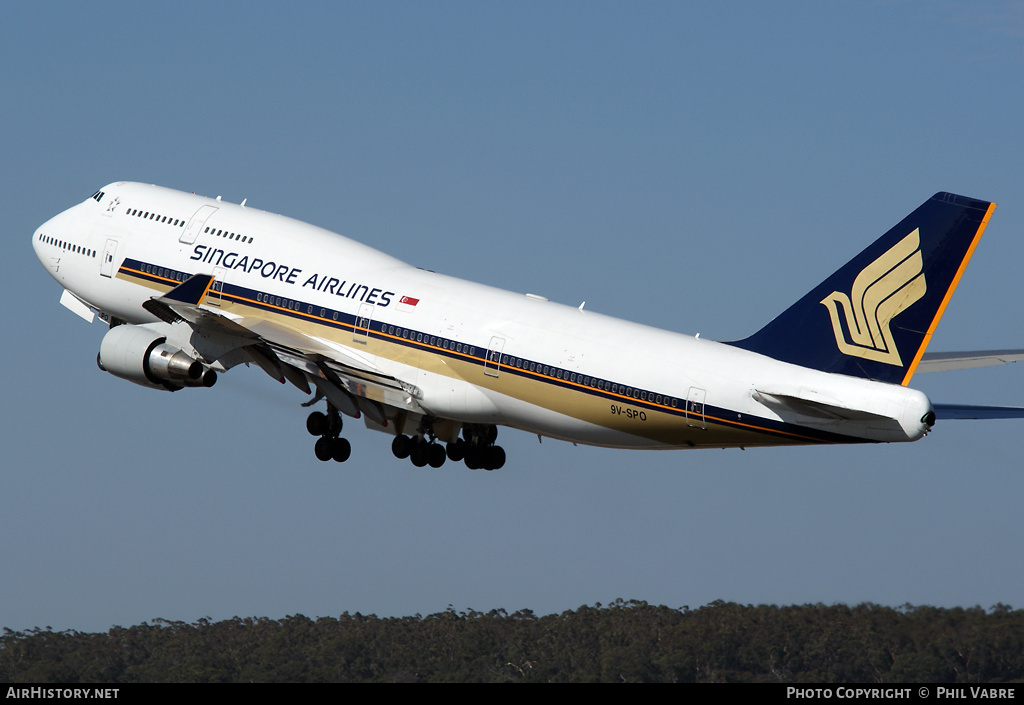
column 692, row 166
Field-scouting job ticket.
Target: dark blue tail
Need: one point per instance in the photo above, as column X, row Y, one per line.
column 874, row 317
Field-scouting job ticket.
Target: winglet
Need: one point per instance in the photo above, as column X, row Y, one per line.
column 191, row 291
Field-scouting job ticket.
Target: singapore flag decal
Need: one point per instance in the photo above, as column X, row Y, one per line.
column 407, row 304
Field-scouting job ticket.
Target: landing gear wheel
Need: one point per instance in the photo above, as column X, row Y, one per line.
column 324, row 449
column 436, row 456
column 494, row 457
column 474, row 457
column 420, row 453
column 316, row 423
column 401, row 447
column 456, row 451
column 341, row 449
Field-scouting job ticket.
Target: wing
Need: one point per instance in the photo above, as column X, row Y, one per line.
column 351, row 383
column 942, row 362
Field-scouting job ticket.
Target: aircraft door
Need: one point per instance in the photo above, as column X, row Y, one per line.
column 217, row 287
column 361, row 331
column 107, row 265
column 492, row 363
column 195, row 225
column 695, row 407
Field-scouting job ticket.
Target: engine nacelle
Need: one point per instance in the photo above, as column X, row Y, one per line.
column 143, row 356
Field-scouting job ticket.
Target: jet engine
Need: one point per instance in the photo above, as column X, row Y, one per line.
column 142, row 356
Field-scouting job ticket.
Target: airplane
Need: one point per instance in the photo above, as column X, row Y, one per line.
column 192, row 286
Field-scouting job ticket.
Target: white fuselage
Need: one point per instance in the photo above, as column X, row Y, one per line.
column 476, row 353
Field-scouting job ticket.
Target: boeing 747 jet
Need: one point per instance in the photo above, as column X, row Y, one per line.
column 192, row 286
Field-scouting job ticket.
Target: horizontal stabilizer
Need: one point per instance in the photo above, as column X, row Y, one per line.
column 970, row 411
column 945, row 361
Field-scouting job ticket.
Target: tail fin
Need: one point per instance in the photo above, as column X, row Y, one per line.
column 874, row 317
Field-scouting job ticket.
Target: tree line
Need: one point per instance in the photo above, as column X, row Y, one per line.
column 625, row 641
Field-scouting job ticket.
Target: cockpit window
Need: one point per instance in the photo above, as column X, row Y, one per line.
column 98, row 196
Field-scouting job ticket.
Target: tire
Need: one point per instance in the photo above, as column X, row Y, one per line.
column 316, row 423
column 341, row 449
column 401, row 447
column 437, row 455
column 420, row 453
column 474, row 458
column 323, row 449
column 494, row 457
column 456, row 451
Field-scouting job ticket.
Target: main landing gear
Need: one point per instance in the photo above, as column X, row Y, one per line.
column 476, row 447
column 328, row 427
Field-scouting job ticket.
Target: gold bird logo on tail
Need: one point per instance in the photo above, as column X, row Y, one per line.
column 884, row 289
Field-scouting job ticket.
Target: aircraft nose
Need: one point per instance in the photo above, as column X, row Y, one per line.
column 42, row 247
column 51, row 239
